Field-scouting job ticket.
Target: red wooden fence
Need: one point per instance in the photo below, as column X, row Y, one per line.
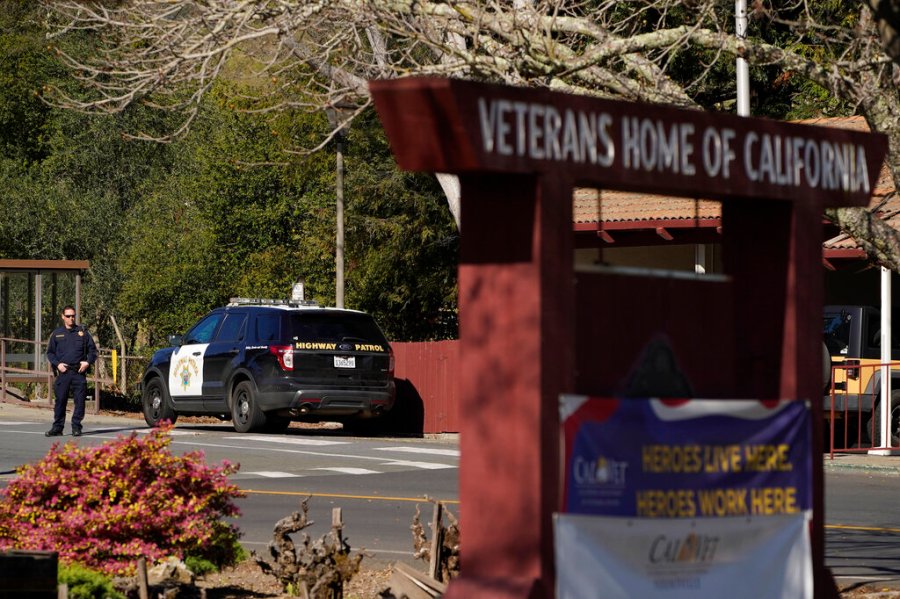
column 427, row 375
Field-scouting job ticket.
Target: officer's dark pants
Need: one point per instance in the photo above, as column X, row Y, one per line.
column 77, row 382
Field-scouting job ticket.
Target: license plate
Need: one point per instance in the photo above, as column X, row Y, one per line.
column 342, row 362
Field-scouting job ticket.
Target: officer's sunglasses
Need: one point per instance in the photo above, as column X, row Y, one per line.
column 68, row 316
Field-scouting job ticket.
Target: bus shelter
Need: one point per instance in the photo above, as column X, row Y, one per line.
column 32, row 296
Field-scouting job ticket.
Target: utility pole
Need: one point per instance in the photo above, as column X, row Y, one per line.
column 334, row 118
column 339, row 215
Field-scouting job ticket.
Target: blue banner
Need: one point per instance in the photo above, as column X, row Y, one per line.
column 655, row 458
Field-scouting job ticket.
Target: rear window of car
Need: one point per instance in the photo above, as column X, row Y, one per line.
column 336, row 328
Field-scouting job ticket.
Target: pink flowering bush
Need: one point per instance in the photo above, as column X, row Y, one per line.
column 106, row 506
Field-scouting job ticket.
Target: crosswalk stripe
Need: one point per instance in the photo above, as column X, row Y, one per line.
column 428, row 450
column 350, row 470
column 422, row 465
column 289, row 441
column 274, row 474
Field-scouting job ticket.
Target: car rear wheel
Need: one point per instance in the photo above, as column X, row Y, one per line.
column 245, row 412
column 156, row 403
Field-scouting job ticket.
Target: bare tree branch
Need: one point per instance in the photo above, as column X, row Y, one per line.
column 311, row 54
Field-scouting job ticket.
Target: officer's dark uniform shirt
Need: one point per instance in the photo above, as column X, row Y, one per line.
column 71, row 346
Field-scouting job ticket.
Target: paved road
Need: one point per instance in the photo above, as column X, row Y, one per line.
column 862, row 522
column 378, row 483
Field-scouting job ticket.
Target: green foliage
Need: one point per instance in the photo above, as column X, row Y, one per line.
column 67, row 180
column 84, row 583
column 238, row 217
column 172, row 230
column 171, row 276
column 25, row 67
column 199, row 565
column 203, row 565
column 401, row 240
column 105, row 507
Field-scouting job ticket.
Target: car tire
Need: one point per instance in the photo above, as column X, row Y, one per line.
column 875, row 421
column 245, row 412
column 156, row 403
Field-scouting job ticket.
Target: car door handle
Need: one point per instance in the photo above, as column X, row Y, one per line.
column 196, row 353
column 233, row 351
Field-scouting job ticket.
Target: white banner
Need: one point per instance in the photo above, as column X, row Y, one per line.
column 680, row 558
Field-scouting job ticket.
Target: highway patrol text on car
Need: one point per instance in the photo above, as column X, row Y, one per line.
column 264, row 363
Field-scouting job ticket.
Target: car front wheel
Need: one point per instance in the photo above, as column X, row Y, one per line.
column 245, row 412
column 156, row 404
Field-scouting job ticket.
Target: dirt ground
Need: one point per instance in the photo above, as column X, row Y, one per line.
column 868, row 591
column 248, row 581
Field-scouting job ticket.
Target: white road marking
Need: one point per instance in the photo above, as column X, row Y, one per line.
column 289, row 441
column 195, row 444
column 272, row 474
column 14, row 423
column 428, row 450
column 422, row 465
column 350, row 470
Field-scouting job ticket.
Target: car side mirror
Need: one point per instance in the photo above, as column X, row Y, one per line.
column 176, row 340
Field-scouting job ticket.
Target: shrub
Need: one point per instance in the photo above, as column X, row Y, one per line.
column 106, row 506
column 201, row 566
column 87, row 584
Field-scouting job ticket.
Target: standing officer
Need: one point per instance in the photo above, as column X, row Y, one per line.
column 71, row 351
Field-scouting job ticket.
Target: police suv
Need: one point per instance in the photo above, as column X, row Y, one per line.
column 263, row 363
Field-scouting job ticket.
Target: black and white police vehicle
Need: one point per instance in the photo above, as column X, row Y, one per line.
column 263, row 363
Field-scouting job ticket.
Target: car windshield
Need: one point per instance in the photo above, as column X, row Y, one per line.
column 335, row 327
column 837, row 332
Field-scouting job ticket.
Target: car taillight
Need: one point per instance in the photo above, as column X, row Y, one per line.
column 285, row 355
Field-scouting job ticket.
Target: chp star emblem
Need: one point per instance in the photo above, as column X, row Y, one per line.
column 185, row 377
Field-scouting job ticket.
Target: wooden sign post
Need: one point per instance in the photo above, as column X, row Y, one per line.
column 528, row 333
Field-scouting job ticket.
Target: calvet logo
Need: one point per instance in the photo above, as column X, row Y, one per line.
column 692, row 548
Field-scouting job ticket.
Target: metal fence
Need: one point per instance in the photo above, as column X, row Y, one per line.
column 853, row 407
column 25, row 374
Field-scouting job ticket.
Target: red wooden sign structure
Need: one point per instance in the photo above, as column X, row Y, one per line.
column 531, row 327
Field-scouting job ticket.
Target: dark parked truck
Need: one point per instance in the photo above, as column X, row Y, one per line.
column 852, row 336
column 263, row 363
